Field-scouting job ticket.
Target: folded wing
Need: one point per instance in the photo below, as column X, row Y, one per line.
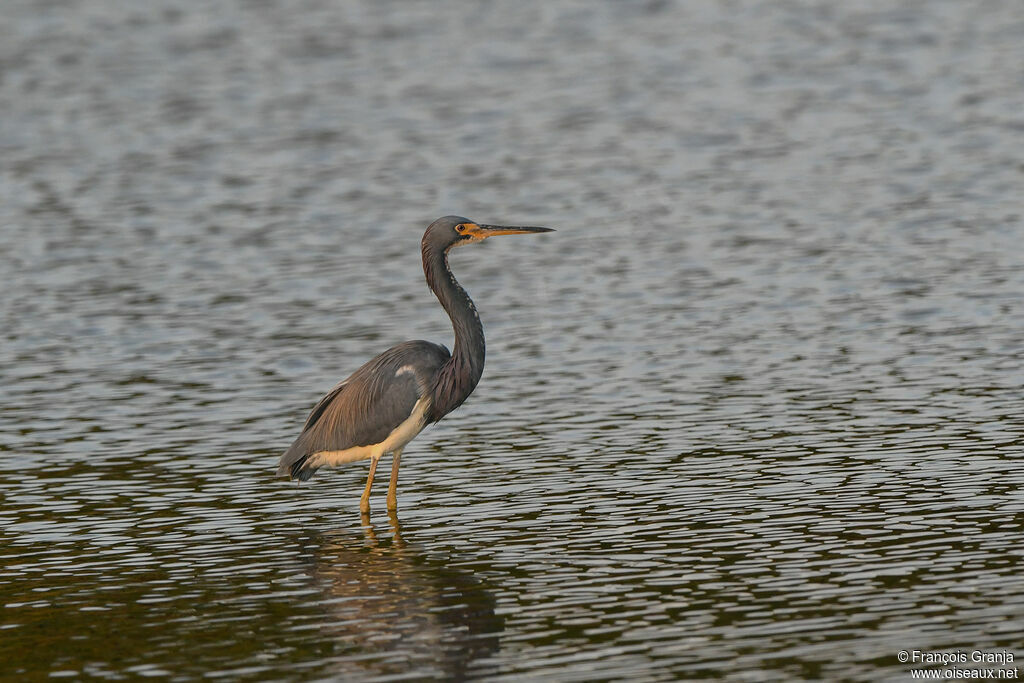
column 368, row 406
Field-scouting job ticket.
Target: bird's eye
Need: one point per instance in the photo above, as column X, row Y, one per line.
column 460, row 228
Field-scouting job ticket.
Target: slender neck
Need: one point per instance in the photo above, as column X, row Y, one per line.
column 460, row 373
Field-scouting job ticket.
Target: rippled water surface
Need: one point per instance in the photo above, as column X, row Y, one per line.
column 753, row 411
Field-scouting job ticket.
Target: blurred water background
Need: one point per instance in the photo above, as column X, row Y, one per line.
column 753, row 412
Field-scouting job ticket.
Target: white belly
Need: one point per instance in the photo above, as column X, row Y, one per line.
column 395, row 441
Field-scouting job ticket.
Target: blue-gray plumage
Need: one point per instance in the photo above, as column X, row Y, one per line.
column 387, row 402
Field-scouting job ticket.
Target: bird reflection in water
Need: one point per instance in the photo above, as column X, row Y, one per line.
column 396, row 611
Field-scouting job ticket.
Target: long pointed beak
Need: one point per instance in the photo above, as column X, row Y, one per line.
column 494, row 230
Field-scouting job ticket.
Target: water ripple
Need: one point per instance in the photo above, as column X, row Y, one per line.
column 750, row 413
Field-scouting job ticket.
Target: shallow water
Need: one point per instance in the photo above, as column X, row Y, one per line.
column 752, row 412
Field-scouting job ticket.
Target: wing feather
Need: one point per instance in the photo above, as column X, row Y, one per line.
column 322, row 405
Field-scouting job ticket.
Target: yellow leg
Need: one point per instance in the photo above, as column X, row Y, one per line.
column 393, row 487
column 364, row 502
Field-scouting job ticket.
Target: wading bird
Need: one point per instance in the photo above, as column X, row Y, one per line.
column 383, row 405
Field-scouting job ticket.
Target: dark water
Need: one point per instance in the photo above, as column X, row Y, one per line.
column 753, row 411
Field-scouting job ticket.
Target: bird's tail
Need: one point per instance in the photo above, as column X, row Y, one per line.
column 296, row 464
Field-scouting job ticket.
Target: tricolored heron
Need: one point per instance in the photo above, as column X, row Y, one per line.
column 383, row 405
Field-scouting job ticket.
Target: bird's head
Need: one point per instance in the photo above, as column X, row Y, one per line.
column 455, row 231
